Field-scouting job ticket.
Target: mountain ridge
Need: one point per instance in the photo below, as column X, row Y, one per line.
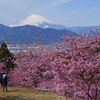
column 28, row 34
column 37, row 20
column 33, row 19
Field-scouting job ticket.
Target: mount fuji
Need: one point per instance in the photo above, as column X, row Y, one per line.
column 33, row 29
column 37, row 20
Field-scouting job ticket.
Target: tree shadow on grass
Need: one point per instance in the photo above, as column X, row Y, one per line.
column 15, row 98
column 11, row 98
column 13, row 90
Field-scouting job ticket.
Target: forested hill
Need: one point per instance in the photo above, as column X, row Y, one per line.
column 31, row 34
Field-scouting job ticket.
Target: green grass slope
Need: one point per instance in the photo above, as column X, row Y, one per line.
column 20, row 93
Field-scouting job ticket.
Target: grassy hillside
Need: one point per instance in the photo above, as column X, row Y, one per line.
column 18, row 93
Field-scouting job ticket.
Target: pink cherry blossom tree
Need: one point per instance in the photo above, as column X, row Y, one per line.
column 73, row 70
column 78, row 68
column 32, row 68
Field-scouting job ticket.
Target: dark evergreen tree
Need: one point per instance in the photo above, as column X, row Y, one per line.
column 6, row 57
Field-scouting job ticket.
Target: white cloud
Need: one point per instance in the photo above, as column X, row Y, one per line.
column 11, row 10
column 54, row 3
column 9, row 2
column 36, row 4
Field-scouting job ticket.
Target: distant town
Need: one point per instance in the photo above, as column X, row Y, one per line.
column 17, row 47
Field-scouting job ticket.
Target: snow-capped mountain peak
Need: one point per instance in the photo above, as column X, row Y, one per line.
column 33, row 19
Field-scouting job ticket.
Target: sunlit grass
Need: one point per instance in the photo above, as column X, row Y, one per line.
column 20, row 93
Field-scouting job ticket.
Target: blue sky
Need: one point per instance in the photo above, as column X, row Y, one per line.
column 65, row 12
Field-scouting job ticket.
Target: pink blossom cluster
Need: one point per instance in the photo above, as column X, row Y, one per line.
column 73, row 71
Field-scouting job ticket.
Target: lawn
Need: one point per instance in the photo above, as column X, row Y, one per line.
column 20, row 93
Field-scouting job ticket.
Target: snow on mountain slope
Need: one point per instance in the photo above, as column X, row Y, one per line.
column 33, row 19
